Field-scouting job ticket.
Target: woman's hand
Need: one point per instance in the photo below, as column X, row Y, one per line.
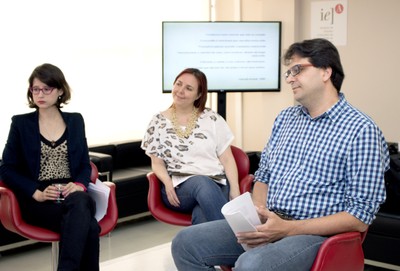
column 172, row 197
column 158, row 167
column 70, row 188
column 49, row 193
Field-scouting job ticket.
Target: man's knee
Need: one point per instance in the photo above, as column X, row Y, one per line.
column 247, row 261
column 179, row 242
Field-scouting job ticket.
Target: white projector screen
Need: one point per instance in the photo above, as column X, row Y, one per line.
column 235, row 56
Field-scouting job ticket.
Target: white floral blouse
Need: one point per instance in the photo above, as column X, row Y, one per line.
column 198, row 153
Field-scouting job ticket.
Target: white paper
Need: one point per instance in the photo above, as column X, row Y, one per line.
column 241, row 214
column 99, row 193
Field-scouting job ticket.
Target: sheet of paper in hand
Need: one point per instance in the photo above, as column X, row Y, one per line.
column 241, row 214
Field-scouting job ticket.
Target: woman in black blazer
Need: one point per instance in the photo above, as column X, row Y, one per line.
column 49, row 146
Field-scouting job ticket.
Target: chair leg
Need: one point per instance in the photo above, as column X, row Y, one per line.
column 107, row 238
column 54, row 255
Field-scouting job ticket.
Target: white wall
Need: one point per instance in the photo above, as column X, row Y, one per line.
column 260, row 109
column 370, row 59
column 109, row 51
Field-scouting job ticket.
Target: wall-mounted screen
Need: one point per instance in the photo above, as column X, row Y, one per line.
column 235, row 56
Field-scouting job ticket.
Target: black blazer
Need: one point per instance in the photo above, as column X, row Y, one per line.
column 21, row 156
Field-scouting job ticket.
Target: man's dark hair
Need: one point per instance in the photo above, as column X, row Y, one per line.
column 321, row 54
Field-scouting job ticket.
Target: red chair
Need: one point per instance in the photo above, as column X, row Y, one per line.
column 10, row 216
column 164, row 214
column 342, row 252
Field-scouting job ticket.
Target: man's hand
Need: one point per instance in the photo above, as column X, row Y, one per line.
column 273, row 228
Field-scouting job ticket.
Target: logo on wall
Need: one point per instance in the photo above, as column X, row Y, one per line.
column 329, row 21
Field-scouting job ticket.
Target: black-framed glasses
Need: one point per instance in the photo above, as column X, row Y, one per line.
column 296, row 69
column 45, row 90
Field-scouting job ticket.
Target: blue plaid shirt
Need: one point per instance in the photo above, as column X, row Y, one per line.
column 321, row 166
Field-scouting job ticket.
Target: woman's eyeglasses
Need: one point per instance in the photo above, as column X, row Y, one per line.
column 45, row 90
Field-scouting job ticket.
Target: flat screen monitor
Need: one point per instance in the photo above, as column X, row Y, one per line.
column 235, row 56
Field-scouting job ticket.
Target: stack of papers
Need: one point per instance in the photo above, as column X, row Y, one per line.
column 99, row 193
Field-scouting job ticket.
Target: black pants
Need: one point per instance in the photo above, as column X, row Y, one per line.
column 79, row 231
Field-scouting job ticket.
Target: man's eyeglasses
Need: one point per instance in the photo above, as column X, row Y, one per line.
column 296, row 69
column 45, row 90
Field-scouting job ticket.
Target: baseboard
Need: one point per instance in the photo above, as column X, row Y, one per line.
column 17, row 245
column 383, row 265
column 133, row 217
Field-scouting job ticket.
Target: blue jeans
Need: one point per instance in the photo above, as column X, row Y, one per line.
column 202, row 197
column 201, row 247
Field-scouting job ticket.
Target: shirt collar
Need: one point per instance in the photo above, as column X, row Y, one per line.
column 333, row 113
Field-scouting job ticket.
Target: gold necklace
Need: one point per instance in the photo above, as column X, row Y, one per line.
column 184, row 133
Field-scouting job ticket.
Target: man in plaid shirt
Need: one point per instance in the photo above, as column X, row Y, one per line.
column 321, row 173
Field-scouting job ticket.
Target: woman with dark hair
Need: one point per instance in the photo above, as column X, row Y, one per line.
column 189, row 147
column 46, row 147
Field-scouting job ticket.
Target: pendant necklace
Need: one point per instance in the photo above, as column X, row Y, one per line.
column 48, row 135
